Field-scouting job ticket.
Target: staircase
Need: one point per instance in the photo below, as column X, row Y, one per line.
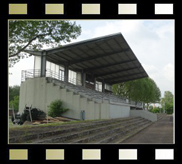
column 97, row 131
column 160, row 115
column 90, row 94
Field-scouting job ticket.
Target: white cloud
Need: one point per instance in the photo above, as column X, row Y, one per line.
column 164, row 77
column 24, row 64
column 168, row 72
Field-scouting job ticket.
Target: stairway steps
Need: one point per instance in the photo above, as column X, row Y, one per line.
column 133, row 132
column 120, row 133
column 66, row 129
column 76, row 127
column 98, row 131
column 94, row 137
column 74, row 134
column 160, row 116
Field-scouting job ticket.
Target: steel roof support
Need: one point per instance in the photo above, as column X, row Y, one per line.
column 118, row 71
column 97, row 56
column 108, row 65
column 43, row 64
column 83, row 78
column 103, row 86
column 118, row 77
column 66, row 73
column 129, row 79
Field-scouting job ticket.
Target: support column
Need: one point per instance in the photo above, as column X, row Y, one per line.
column 95, row 83
column 78, row 78
column 103, row 86
column 66, row 73
column 43, row 64
column 83, row 78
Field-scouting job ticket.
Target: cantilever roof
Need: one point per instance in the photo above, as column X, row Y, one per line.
column 108, row 57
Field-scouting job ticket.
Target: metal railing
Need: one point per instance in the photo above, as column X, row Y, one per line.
column 33, row 73
column 27, row 74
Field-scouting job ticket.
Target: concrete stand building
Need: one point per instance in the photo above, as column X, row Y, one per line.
column 81, row 74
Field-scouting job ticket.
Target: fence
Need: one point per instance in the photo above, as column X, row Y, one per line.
column 33, row 73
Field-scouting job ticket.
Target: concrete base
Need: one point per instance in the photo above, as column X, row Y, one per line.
column 39, row 93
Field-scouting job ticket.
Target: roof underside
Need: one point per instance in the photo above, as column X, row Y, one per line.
column 109, row 58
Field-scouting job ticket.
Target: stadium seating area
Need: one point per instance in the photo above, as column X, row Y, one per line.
column 94, row 95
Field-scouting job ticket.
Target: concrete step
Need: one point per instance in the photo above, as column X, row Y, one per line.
column 98, row 133
column 160, row 115
column 133, row 132
column 62, row 129
column 55, row 130
column 120, row 132
column 118, row 138
column 84, row 131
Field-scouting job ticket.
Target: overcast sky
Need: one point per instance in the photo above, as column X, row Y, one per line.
column 152, row 41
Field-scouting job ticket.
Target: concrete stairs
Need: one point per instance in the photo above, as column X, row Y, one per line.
column 98, row 131
column 160, row 115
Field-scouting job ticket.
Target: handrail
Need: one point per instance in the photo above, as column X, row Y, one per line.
column 33, row 73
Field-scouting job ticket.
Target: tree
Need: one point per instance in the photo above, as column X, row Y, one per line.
column 36, row 34
column 140, row 90
column 14, row 103
column 13, row 91
column 167, row 102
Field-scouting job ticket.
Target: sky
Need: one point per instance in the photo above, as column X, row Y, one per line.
column 152, row 41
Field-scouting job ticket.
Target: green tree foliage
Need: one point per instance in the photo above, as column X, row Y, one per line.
column 14, row 103
column 56, row 108
column 13, row 91
column 156, row 110
column 34, row 35
column 167, row 102
column 140, row 90
column 169, row 108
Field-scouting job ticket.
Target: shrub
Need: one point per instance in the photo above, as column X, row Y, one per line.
column 56, row 108
column 155, row 110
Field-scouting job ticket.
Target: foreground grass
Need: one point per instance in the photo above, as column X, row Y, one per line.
column 13, row 127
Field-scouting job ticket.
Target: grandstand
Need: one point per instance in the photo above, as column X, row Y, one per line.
column 81, row 74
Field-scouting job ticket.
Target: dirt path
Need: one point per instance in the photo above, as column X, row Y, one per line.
column 159, row 132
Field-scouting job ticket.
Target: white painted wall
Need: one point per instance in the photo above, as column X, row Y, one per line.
column 144, row 114
column 38, row 93
column 118, row 111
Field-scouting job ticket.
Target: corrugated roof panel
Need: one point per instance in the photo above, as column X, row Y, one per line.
column 110, row 56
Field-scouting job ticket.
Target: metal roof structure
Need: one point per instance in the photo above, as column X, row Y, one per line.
column 108, row 57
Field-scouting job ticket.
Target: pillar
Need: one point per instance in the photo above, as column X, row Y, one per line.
column 83, row 78
column 103, row 86
column 95, row 83
column 78, row 78
column 66, row 73
column 43, row 64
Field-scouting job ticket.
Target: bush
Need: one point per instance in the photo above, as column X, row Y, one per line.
column 155, row 110
column 56, row 108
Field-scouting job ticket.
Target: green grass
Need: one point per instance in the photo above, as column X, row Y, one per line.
column 49, row 124
column 10, row 122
